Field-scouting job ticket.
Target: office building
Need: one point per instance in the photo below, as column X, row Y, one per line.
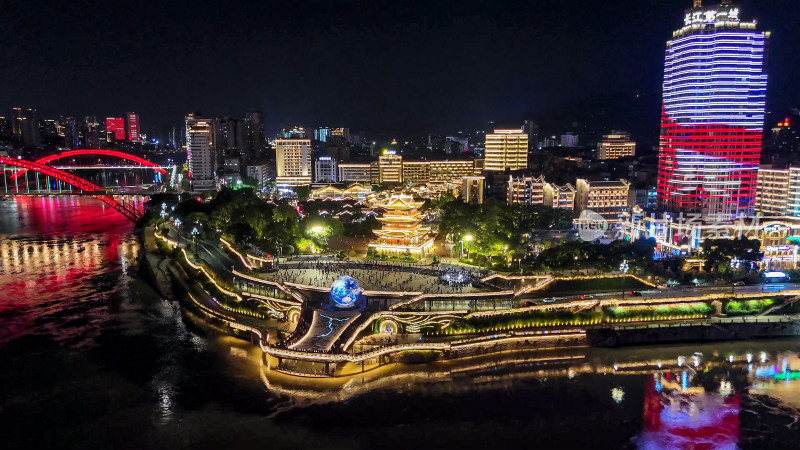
column 199, row 153
column 506, row 149
column 293, row 161
column 607, row 198
column 618, row 144
column 353, row 172
column 417, row 172
column 115, row 128
column 390, row 166
column 133, row 127
column 713, row 114
column 325, row 170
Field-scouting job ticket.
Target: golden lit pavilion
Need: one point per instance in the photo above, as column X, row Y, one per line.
column 401, row 229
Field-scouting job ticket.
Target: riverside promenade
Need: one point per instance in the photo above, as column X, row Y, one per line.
column 297, row 335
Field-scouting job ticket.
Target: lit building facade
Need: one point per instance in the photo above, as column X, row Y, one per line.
column 778, row 192
column 713, row 114
column 325, row 170
column 556, row 196
column 618, row 144
column 402, row 232
column 356, row 191
column 525, row 189
column 199, row 154
column 607, row 198
column 472, row 188
column 133, row 127
column 293, row 161
column 360, row 173
column 115, row 127
column 390, row 166
column 506, row 149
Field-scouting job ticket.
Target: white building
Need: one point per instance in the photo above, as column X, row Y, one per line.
column 293, row 161
column 199, row 153
column 325, row 170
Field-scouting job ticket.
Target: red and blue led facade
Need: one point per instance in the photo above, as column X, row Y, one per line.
column 713, row 115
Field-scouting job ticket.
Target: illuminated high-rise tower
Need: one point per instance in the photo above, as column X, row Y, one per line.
column 713, row 114
column 133, row 126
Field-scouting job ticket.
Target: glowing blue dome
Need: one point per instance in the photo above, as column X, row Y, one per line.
column 345, row 291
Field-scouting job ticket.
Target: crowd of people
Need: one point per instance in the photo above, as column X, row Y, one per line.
column 380, row 275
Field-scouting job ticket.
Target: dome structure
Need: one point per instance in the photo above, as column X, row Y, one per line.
column 345, row 292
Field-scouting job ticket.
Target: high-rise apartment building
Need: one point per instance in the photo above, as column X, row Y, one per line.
column 506, row 149
column 199, row 153
column 26, row 125
column 618, row 144
column 70, row 133
column 253, row 133
column 16, row 121
column 531, row 128
column 133, row 127
column 713, row 113
column 778, row 191
column 115, row 128
column 293, row 161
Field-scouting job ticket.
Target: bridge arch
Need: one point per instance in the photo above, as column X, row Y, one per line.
column 74, row 181
column 96, row 151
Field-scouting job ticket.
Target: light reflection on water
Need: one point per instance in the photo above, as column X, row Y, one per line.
column 87, row 347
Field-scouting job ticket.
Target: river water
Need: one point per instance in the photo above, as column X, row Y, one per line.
column 91, row 357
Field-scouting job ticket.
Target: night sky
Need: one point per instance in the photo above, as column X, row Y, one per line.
column 386, row 67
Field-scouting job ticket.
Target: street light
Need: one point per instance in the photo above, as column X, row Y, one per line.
column 624, row 268
column 465, row 238
column 194, row 234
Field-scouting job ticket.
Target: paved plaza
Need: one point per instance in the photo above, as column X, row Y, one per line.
column 380, row 276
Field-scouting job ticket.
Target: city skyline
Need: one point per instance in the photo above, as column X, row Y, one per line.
column 452, row 84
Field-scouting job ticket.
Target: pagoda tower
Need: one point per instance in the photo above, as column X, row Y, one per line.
column 402, row 230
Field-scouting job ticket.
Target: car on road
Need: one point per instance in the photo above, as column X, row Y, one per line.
column 529, row 303
column 635, row 294
column 549, row 300
column 739, row 283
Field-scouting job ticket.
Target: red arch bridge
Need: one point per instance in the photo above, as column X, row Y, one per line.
column 65, row 182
